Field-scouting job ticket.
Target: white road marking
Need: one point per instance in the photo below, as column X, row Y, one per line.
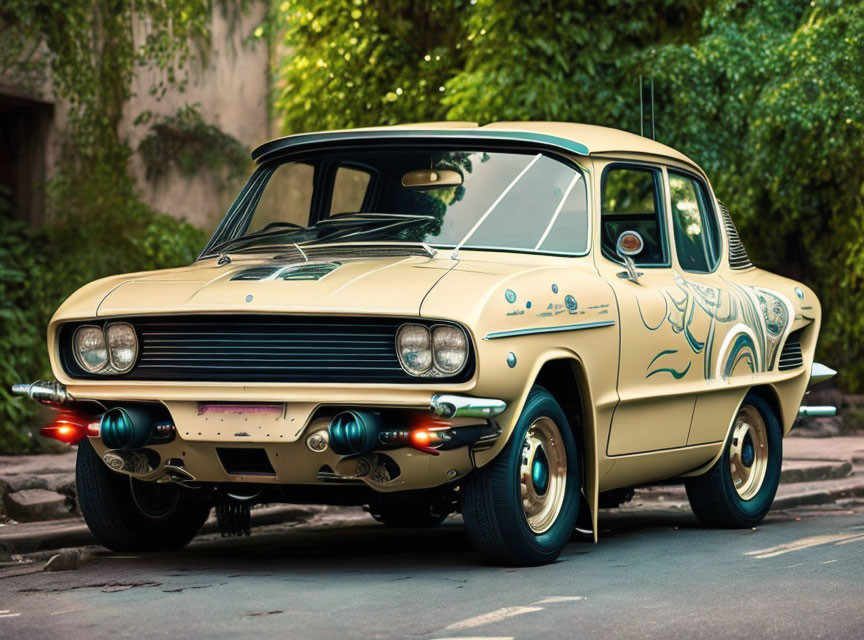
column 477, row 638
column 857, row 538
column 9, row 615
column 494, row 616
column 804, row 543
column 555, row 599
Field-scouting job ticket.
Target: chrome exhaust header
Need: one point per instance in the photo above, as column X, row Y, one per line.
column 44, row 391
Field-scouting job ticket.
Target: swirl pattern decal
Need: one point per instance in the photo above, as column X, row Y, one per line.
column 759, row 320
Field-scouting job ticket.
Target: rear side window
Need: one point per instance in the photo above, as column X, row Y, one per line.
column 631, row 202
column 697, row 236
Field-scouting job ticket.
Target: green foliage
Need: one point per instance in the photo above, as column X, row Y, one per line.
column 573, row 61
column 187, row 142
column 770, row 101
column 367, row 62
column 41, row 267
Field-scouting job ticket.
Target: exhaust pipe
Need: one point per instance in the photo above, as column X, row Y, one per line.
column 354, row 432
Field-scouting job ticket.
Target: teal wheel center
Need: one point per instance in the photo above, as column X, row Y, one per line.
column 540, row 472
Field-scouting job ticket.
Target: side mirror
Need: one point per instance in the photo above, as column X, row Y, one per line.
column 629, row 244
column 431, row 179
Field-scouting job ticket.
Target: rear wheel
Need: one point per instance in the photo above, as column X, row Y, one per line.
column 129, row 515
column 738, row 490
column 521, row 508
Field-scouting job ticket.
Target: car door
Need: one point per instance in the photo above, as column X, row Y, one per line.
column 656, row 370
column 723, row 317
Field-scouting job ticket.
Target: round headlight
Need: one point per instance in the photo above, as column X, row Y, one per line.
column 91, row 353
column 414, row 346
column 449, row 349
column 122, row 345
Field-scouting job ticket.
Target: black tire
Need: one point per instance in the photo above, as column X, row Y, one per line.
column 110, row 506
column 492, row 508
column 713, row 496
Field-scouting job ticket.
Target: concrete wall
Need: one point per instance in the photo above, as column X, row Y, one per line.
column 230, row 91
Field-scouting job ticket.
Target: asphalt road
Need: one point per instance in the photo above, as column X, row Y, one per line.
column 653, row 575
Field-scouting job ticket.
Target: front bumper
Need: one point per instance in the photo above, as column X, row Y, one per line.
column 209, row 433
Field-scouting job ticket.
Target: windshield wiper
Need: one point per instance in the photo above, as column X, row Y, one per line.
column 244, row 241
column 337, row 227
column 354, row 227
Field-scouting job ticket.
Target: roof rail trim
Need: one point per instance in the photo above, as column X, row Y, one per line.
column 295, row 142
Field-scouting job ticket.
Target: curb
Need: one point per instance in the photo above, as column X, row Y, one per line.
column 815, row 471
column 60, row 534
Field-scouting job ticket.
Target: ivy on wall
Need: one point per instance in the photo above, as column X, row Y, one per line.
column 185, row 142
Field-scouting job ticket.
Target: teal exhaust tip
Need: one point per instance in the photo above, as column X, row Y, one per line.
column 354, row 432
column 126, row 428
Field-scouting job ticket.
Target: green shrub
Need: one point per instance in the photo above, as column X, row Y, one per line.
column 41, row 267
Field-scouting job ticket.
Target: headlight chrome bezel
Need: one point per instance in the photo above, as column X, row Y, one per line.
column 433, row 370
column 109, row 367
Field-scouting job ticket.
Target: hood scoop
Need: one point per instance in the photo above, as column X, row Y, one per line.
column 304, row 271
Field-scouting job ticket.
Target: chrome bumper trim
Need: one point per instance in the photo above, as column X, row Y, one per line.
column 820, row 373
column 44, row 391
column 817, row 412
column 453, row 406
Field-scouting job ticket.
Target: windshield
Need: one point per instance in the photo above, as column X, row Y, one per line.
column 445, row 198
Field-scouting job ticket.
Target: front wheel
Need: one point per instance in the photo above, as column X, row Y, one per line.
column 125, row 514
column 738, row 490
column 521, row 508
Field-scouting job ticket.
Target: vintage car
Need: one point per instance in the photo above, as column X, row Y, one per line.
column 518, row 321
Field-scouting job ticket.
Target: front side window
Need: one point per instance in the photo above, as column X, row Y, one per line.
column 474, row 199
column 697, row 237
column 631, row 202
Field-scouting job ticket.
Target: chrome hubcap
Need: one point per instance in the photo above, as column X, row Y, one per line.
column 542, row 474
column 748, row 453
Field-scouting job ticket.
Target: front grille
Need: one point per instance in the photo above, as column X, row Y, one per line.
column 258, row 348
column 791, row 357
column 738, row 258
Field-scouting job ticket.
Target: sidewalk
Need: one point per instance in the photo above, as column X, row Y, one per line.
column 816, row 471
column 38, row 507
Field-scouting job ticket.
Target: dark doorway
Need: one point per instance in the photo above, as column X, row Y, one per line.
column 24, row 127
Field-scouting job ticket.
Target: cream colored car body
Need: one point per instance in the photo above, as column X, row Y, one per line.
column 638, row 426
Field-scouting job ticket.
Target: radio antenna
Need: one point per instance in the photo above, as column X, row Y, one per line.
column 642, row 108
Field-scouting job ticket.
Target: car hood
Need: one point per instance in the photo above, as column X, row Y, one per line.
column 387, row 285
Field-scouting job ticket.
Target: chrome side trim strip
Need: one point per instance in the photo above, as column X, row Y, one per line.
column 453, row 406
column 564, row 327
column 817, row 412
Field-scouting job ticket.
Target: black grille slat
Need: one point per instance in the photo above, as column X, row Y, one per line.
column 792, row 356
column 738, row 258
column 260, row 348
